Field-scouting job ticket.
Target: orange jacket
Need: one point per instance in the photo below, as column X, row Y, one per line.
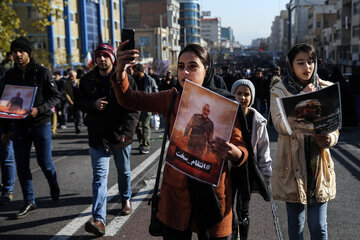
column 175, row 204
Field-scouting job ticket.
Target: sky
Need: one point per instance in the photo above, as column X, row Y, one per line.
column 249, row 19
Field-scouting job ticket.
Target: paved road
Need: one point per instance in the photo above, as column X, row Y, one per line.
column 65, row 219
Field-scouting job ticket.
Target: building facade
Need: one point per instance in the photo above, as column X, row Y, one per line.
column 157, row 31
column 83, row 25
column 211, row 31
column 190, row 22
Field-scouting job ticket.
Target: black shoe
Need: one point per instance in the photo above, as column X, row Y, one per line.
column 25, row 210
column 54, row 191
column 6, row 197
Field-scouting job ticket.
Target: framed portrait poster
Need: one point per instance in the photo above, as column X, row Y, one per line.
column 202, row 117
column 16, row 101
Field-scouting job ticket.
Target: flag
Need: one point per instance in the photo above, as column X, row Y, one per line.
column 88, row 61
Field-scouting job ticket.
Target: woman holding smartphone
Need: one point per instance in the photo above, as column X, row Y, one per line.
column 182, row 209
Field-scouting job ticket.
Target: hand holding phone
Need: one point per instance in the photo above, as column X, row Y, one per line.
column 128, row 34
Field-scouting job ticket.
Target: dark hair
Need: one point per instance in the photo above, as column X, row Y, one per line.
column 139, row 67
column 301, row 47
column 57, row 73
column 199, row 51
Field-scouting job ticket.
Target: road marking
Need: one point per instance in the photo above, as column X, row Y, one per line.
column 72, row 227
column 117, row 223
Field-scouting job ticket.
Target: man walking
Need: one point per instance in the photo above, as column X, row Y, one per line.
column 71, row 88
column 36, row 127
column 110, row 130
column 147, row 84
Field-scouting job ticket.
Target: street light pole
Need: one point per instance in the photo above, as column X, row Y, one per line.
column 289, row 8
column 161, row 48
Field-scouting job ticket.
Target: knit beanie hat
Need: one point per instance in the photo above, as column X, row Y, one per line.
column 21, row 43
column 247, row 83
column 106, row 48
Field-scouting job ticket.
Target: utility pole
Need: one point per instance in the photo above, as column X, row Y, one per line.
column 161, row 47
column 289, row 8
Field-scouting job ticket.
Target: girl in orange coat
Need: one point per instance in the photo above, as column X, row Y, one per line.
column 184, row 202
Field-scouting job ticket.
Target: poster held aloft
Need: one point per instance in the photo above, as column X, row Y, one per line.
column 312, row 113
column 203, row 116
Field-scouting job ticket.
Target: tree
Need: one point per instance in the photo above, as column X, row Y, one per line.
column 10, row 25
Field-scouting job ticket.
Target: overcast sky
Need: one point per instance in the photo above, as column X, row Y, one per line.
column 249, row 19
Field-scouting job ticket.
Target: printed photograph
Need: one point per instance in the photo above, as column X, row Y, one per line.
column 202, row 116
column 316, row 112
column 16, row 101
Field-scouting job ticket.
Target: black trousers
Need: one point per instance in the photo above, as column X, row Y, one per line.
column 173, row 234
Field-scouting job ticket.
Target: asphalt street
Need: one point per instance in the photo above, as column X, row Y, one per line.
column 65, row 219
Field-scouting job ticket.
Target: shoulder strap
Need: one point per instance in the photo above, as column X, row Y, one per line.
column 156, row 187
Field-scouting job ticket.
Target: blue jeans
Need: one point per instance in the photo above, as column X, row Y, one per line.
column 23, row 137
column 100, row 163
column 7, row 163
column 316, row 220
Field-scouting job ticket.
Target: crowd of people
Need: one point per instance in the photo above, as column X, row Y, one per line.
column 116, row 99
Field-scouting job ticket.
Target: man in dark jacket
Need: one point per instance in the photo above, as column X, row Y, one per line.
column 147, row 84
column 110, row 130
column 36, row 127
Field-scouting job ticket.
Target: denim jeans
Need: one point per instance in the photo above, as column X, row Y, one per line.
column 23, row 137
column 7, row 163
column 316, row 220
column 100, row 163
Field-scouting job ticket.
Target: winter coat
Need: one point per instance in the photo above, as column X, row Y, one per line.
column 175, row 206
column 104, row 127
column 260, row 143
column 289, row 180
column 47, row 95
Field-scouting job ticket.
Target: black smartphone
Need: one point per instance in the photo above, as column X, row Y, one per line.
column 128, row 34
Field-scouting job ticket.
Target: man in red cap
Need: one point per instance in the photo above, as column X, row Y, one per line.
column 110, row 130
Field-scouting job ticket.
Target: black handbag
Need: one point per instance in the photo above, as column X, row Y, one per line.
column 155, row 228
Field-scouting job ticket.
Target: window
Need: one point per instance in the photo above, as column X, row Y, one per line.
column 318, row 24
column 115, row 4
column 115, row 25
column 356, row 31
column 32, row 13
column 356, row 8
column 146, row 54
column 60, row 42
column 144, row 41
column 75, row 43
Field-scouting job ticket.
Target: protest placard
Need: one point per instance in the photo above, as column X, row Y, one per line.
column 315, row 112
column 202, row 117
column 16, row 101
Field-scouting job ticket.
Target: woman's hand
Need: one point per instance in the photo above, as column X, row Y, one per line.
column 309, row 88
column 226, row 150
column 125, row 57
column 323, row 140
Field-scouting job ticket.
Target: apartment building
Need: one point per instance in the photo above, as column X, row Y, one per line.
column 190, row 22
column 157, row 31
column 211, row 31
column 83, row 25
column 279, row 33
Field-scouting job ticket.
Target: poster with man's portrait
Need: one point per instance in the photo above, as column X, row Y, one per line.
column 202, row 117
column 16, row 101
